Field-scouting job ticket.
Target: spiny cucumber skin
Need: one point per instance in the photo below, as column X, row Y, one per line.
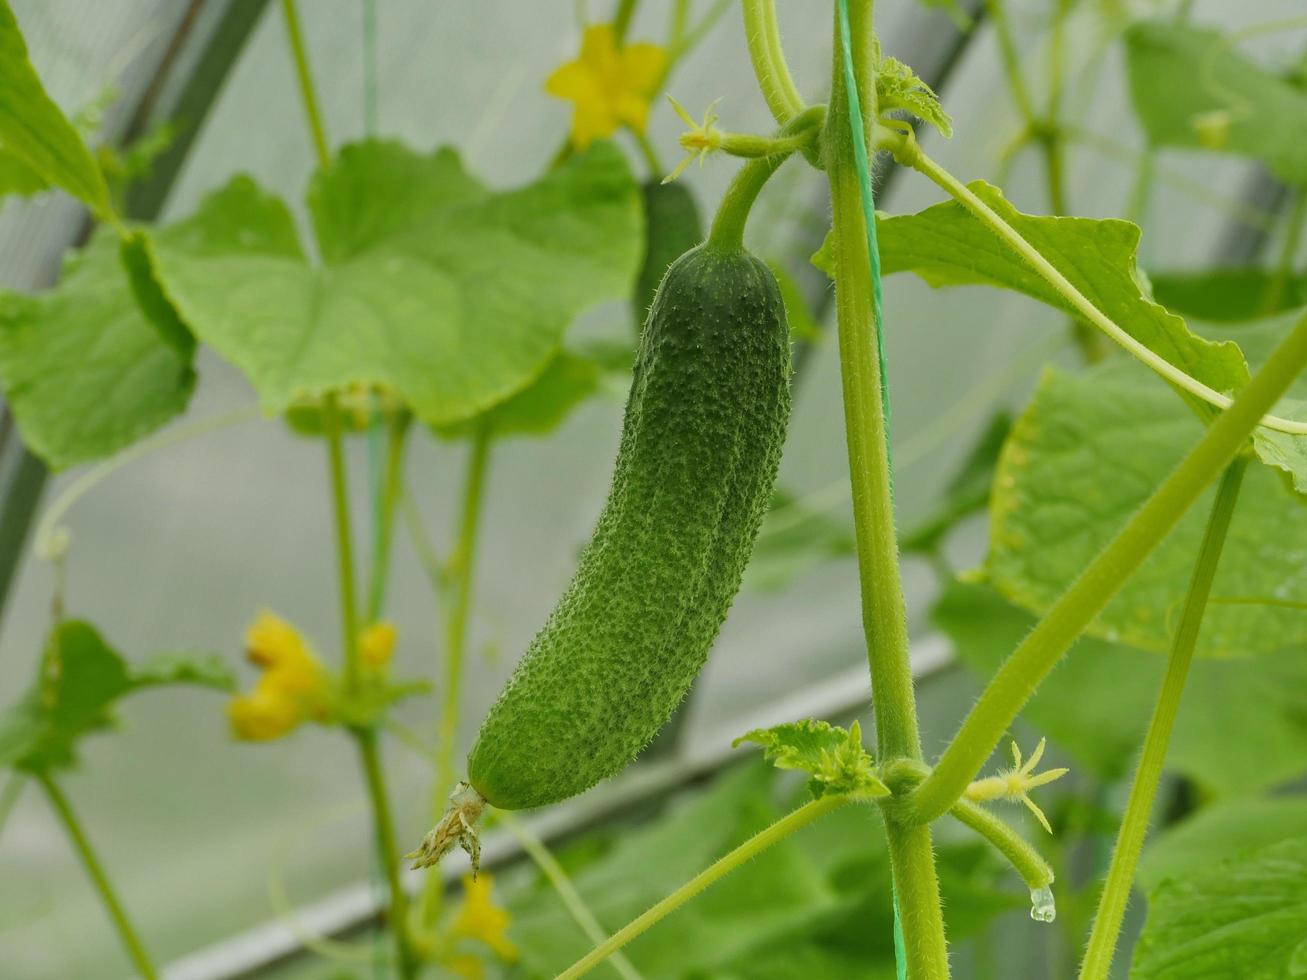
column 701, row 443
column 672, row 227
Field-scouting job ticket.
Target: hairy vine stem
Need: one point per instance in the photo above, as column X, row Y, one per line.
column 1134, row 825
column 884, row 610
column 769, row 67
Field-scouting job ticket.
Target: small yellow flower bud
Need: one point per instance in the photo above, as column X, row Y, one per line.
column 377, row 644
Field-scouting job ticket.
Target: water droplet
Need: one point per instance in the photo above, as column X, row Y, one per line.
column 1042, row 908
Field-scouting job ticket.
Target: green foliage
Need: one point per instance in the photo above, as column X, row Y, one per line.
column 539, row 408
column 1191, row 88
column 1096, row 705
column 832, row 756
column 795, row 537
column 701, row 443
column 898, row 89
column 452, row 296
column 1235, row 914
column 1086, row 452
column 1285, row 452
column 1239, row 826
column 38, row 145
column 85, row 371
column 81, row 680
column 947, row 246
column 1232, row 294
column 817, row 900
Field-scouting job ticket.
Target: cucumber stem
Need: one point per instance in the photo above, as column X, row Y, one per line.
column 1134, row 825
column 727, row 230
column 884, row 611
column 764, row 40
column 95, row 871
column 1040, row 651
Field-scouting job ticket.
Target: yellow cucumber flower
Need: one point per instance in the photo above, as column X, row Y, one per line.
column 377, row 644
column 609, row 85
column 1016, row 783
column 262, row 715
column 479, row 918
column 289, row 690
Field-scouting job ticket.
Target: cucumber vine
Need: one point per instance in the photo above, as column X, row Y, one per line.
column 429, row 303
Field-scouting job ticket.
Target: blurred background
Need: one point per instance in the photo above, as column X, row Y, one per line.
column 211, row 841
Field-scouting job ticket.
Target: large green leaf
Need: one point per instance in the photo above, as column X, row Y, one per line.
column 1081, row 459
column 541, row 406
column 1229, row 295
column 34, row 134
column 1192, row 88
column 1097, row 703
column 453, row 297
column 1232, row 828
column 16, row 177
column 946, row 246
column 1243, row 917
column 81, row 677
column 85, row 371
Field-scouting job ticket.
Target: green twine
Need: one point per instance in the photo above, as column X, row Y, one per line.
column 859, row 136
column 863, row 164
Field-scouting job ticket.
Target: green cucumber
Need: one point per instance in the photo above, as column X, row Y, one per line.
column 701, row 442
column 671, row 228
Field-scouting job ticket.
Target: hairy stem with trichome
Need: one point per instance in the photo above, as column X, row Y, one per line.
column 769, row 67
column 884, row 612
column 1134, row 825
column 1017, row 679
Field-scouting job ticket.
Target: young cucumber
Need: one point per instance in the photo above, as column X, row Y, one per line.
column 671, row 227
column 701, row 442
